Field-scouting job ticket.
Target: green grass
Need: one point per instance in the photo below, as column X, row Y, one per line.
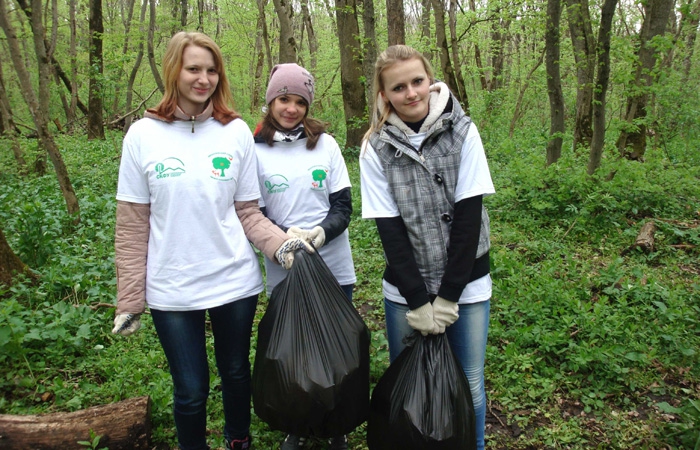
column 592, row 343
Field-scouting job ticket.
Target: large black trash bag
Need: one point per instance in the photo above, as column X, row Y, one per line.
column 422, row 401
column 311, row 371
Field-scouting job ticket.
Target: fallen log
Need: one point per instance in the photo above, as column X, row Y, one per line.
column 121, row 426
column 645, row 238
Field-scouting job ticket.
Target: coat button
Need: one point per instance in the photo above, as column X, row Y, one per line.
column 446, row 217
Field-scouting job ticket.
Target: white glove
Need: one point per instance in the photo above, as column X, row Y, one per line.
column 421, row 319
column 317, row 237
column 445, row 313
column 297, row 232
column 285, row 254
column 126, row 324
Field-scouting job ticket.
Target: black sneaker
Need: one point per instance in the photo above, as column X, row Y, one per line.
column 292, row 442
column 338, row 443
column 238, row 444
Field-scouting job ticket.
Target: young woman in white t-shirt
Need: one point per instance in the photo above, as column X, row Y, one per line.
column 304, row 184
column 187, row 207
column 423, row 177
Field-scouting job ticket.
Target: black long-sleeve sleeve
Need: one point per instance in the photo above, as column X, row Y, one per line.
column 402, row 268
column 461, row 254
column 338, row 217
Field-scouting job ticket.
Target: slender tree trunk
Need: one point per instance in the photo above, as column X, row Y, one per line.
column 690, row 28
column 8, row 128
column 396, row 22
column 448, row 71
column 288, row 44
column 72, row 115
column 129, row 119
column 499, row 31
column 632, row 142
column 184, row 9
column 370, row 46
column 151, row 50
column 425, row 31
column 454, row 45
column 95, row 122
column 584, row 53
column 39, row 115
column 127, row 14
column 556, row 97
column 310, row 34
column 354, row 101
column 261, row 40
column 477, row 55
column 603, row 51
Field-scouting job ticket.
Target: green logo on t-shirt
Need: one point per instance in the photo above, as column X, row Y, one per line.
column 220, row 163
column 276, row 184
column 318, row 174
column 169, row 168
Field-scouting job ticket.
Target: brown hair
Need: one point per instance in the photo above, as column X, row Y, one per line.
column 389, row 57
column 313, row 128
column 221, row 99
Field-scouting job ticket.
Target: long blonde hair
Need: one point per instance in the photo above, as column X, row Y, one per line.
column 221, row 99
column 389, row 57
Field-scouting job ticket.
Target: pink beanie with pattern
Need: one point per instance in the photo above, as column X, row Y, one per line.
column 290, row 78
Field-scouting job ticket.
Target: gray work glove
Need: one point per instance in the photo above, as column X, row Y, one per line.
column 126, row 324
column 445, row 313
column 285, row 254
column 421, row 319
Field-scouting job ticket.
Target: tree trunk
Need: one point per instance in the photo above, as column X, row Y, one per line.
column 370, row 46
column 448, row 71
column 354, row 102
column 129, row 119
column 8, row 128
column 584, row 54
column 556, row 97
column 95, row 126
column 396, row 22
column 71, row 115
column 477, row 55
column 457, row 64
column 121, row 426
column 689, row 26
column 603, row 51
column 288, row 45
column 310, row 34
column 499, row 29
column 39, row 115
column 425, row 32
column 151, row 51
column 10, row 266
column 632, row 142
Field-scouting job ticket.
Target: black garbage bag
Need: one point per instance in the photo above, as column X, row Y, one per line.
column 311, row 370
column 422, row 401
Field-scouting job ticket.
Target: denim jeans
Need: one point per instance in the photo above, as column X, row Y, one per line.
column 182, row 335
column 348, row 288
column 467, row 337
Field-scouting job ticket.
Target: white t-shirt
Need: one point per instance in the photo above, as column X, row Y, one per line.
column 198, row 255
column 474, row 179
column 295, row 184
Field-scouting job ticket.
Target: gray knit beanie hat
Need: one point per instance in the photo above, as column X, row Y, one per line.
column 290, row 78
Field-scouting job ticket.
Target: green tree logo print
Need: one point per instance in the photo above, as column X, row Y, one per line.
column 221, row 164
column 319, row 175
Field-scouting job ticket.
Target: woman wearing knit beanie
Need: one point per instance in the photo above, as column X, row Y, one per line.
column 304, row 184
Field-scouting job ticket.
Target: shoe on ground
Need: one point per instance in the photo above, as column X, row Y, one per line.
column 239, row 444
column 338, row 443
column 292, row 442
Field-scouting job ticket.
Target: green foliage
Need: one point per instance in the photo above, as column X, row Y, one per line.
column 592, row 343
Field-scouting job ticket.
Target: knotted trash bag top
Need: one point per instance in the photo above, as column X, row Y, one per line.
column 311, row 370
column 423, row 400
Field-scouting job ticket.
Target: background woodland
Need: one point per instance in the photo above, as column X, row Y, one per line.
column 589, row 115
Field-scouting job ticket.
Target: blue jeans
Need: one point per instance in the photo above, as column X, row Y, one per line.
column 182, row 335
column 467, row 338
column 347, row 289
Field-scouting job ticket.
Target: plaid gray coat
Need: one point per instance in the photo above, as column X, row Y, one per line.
column 423, row 183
